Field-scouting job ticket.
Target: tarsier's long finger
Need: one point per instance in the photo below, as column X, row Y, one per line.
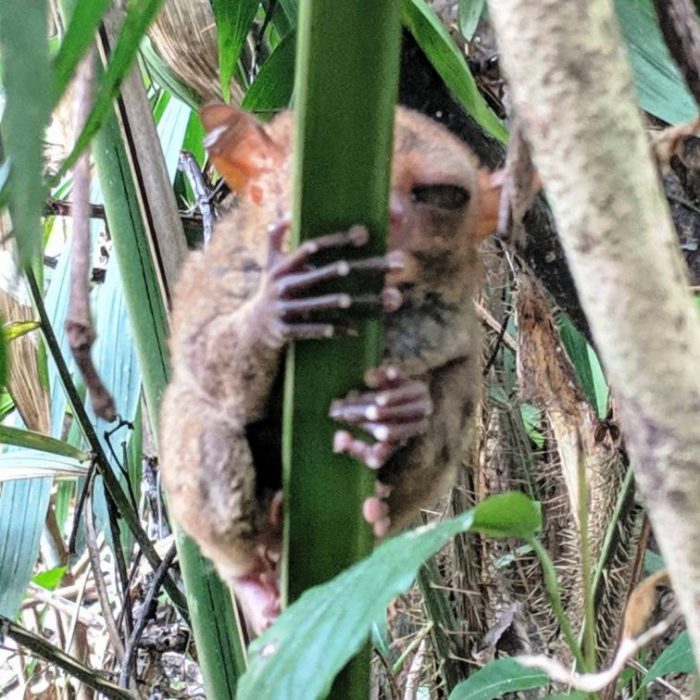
column 408, row 393
column 395, row 432
column 374, row 456
column 356, row 236
column 350, row 411
column 307, row 331
column 384, row 376
column 291, row 283
column 289, row 308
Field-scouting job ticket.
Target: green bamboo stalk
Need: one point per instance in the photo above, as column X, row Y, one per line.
column 346, row 84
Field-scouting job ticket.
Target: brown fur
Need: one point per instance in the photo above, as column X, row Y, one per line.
column 224, row 369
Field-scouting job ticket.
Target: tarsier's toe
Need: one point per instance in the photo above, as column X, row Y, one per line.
column 375, row 510
column 374, row 456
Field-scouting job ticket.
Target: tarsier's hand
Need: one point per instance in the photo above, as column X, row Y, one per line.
column 396, row 410
column 288, row 305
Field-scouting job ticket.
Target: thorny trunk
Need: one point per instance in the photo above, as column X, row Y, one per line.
column 572, row 88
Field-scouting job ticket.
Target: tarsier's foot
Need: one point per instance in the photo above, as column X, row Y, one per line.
column 397, row 409
column 289, row 307
column 259, row 597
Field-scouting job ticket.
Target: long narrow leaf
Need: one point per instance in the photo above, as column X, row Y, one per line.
column 38, row 441
column 23, row 506
column 26, row 79
column 274, row 83
column 138, row 17
column 233, row 20
column 450, row 64
column 80, row 34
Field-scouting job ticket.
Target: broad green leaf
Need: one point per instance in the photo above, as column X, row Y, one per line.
column 139, row 16
column 15, row 329
column 23, row 506
column 50, row 579
column 31, row 464
column 676, row 658
column 498, row 678
column 660, row 88
column 233, row 20
column 274, row 83
column 27, row 85
column 448, row 61
column 470, row 12
column 314, row 638
column 37, row 441
column 80, row 34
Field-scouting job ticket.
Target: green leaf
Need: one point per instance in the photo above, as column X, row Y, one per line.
column 233, row 20
column 163, row 75
column 470, row 12
column 448, row 61
column 676, row 658
column 508, row 515
column 50, row 579
column 274, row 83
column 26, row 81
column 15, row 329
column 498, row 678
column 23, row 507
column 24, row 464
column 314, row 637
column 80, row 34
column 660, row 88
column 532, row 420
column 139, row 16
column 38, row 441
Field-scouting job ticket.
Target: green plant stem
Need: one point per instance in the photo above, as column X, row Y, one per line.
column 47, row 651
column 114, row 488
column 346, row 84
column 587, row 574
column 552, row 588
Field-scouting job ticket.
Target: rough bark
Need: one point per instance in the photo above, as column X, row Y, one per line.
column 571, row 85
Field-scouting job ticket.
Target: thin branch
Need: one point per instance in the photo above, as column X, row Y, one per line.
column 112, row 484
column 595, row 682
column 79, row 329
column 100, row 584
column 202, row 192
column 40, row 647
column 132, row 644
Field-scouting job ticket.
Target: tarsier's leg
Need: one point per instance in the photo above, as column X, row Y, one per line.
column 397, row 410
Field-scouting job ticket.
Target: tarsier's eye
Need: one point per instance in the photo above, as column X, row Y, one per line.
column 441, row 196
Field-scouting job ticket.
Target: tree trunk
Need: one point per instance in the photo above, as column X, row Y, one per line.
column 572, row 89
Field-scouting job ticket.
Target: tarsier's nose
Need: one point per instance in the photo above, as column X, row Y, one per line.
column 397, row 210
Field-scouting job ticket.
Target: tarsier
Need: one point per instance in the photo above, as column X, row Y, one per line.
column 238, row 304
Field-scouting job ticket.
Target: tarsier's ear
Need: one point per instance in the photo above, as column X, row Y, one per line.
column 490, row 186
column 238, row 145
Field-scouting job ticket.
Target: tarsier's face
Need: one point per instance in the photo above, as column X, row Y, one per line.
column 436, row 186
column 434, row 197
